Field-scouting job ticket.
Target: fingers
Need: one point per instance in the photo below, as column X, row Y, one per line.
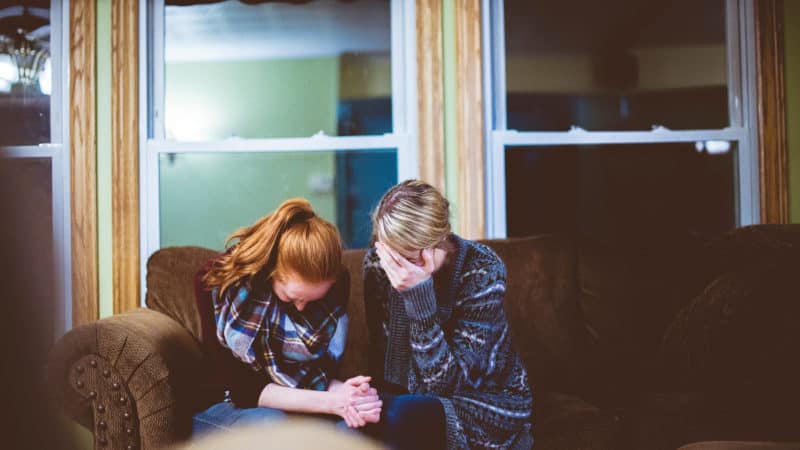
column 389, row 254
column 373, row 416
column 348, row 419
column 427, row 259
column 364, row 399
column 358, row 380
column 398, row 259
column 357, row 419
column 369, row 406
column 388, row 263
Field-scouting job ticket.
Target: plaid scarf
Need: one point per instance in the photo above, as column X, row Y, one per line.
column 296, row 349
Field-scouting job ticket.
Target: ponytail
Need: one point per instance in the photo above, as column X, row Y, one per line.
column 292, row 240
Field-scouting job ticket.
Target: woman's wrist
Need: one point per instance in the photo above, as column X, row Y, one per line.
column 420, row 300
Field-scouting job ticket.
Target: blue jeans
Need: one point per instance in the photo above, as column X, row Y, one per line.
column 225, row 415
column 410, row 422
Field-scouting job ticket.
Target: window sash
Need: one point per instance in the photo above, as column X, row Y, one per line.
column 151, row 123
column 742, row 113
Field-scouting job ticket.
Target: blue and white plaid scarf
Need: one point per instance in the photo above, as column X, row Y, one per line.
column 296, row 349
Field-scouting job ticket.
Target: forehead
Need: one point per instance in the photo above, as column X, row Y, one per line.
column 297, row 287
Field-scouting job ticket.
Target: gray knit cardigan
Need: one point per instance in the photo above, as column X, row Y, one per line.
column 448, row 337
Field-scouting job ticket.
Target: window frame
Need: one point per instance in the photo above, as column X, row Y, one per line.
column 403, row 138
column 743, row 127
column 58, row 152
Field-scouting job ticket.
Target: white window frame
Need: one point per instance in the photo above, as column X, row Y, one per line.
column 57, row 151
column 740, row 34
column 151, row 107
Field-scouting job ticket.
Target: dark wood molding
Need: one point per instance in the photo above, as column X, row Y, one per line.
column 771, row 104
column 469, row 122
column 125, row 153
column 83, row 160
column 430, row 93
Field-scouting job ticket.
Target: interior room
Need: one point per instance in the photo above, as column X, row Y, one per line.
column 635, row 164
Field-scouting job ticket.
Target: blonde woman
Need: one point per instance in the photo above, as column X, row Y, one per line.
column 440, row 348
column 273, row 319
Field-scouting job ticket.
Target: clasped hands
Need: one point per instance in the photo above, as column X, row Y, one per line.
column 404, row 274
column 356, row 401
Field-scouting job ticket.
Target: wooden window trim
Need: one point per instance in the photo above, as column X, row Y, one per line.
column 771, row 106
column 125, row 153
column 430, row 93
column 83, row 160
column 471, row 184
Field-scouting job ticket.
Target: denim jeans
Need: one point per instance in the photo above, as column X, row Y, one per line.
column 410, row 422
column 407, row 421
column 225, row 415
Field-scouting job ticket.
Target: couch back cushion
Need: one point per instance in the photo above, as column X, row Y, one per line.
column 354, row 360
column 542, row 308
column 170, row 284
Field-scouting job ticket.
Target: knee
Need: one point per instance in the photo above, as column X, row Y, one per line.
column 413, row 412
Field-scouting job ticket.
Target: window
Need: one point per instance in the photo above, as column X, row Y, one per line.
column 34, row 169
column 251, row 103
column 609, row 117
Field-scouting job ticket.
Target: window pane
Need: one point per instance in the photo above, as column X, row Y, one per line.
column 614, row 190
column 616, row 65
column 206, row 196
column 25, row 74
column 277, row 69
column 26, row 237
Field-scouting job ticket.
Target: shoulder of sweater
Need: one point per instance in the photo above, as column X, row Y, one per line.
column 480, row 257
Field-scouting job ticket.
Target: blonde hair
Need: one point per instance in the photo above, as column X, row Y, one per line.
column 292, row 240
column 410, row 216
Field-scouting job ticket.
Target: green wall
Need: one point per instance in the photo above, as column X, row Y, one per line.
column 204, row 197
column 251, row 99
column 105, row 266
column 792, row 49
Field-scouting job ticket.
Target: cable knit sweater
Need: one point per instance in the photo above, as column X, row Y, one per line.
column 448, row 337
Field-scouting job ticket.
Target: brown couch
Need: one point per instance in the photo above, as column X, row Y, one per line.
column 640, row 343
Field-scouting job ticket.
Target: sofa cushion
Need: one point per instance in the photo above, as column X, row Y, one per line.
column 629, row 292
column 354, row 360
column 741, row 332
column 741, row 445
column 563, row 421
column 170, row 284
column 542, row 308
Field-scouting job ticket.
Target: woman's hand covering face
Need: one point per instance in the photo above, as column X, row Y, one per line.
column 402, row 273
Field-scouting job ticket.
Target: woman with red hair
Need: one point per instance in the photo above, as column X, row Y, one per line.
column 274, row 324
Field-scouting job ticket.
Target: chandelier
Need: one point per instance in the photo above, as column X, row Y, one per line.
column 25, row 37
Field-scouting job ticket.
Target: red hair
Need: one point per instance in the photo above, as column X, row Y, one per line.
column 292, row 240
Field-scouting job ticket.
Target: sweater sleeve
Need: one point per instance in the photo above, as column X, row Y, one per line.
column 375, row 293
column 469, row 350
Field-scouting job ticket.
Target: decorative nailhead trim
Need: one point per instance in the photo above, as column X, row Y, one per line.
column 106, row 394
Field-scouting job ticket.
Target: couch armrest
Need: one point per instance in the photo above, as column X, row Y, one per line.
column 128, row 378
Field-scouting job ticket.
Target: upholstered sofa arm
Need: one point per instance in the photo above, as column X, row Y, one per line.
column 128, row 378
